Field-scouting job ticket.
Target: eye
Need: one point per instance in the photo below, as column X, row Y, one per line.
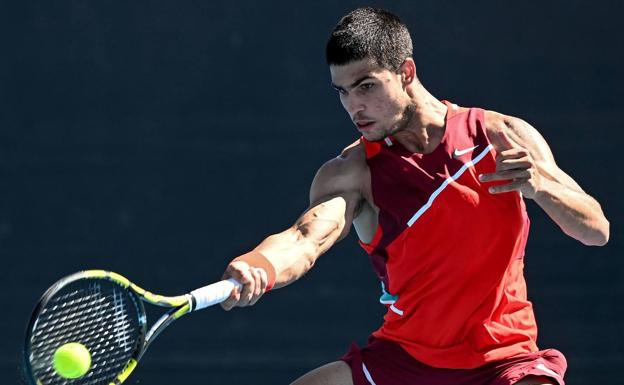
column 366, row 86
column 340, row 91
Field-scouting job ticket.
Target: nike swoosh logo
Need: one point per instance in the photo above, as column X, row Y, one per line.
column 457, row 153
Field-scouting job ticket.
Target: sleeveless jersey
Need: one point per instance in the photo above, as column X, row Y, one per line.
column 449, row 253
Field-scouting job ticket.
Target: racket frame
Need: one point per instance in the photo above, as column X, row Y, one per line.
column 180, row 305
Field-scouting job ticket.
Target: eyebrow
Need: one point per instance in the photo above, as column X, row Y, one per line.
column 354, row 84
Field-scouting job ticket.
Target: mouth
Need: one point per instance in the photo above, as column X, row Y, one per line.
column 364, row 125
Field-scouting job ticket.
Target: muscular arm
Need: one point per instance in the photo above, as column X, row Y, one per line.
column 526, row 161
column 334, row 200
column 294, row 251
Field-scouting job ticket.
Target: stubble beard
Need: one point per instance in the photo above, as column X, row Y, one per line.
column 402, row 124
column 406, row 118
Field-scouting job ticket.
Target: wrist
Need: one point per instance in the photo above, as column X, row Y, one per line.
column 256, row 259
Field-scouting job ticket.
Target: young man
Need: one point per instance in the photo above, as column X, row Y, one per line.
column 435, row 193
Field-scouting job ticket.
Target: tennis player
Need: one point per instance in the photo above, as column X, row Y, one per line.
column 436, row 194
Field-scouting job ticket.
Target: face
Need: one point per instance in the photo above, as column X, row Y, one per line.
column 375, row 98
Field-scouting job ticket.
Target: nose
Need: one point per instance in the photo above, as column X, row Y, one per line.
column 352, row 105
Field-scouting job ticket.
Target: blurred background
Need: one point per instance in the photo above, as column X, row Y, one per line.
column 160, row 139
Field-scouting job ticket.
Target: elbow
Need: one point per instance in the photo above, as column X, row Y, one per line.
column 603, row 237
column 598, row 236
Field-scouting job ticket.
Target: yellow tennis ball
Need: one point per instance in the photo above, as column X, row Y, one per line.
column 72, row 360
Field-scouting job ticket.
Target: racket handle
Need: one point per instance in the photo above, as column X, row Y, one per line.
column 214, row 293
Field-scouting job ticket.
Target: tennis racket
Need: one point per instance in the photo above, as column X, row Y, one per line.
column 103, row 311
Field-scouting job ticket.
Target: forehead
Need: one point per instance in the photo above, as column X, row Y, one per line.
column 345, row 74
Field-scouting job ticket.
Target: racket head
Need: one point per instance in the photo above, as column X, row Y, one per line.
column 94, row 308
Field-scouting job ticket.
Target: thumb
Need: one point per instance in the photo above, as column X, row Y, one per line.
column 502, row 141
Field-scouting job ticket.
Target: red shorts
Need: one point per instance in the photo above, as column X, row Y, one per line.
column 386, row 363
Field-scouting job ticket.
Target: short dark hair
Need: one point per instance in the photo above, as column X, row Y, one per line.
column 369, row 33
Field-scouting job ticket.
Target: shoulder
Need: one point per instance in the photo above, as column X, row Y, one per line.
column 351, row 161
column 342, row 173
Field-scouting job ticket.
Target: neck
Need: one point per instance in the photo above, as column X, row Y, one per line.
column 425, row 129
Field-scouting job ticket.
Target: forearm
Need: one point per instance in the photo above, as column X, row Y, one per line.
column 293, row 252
column 285, row 257
column 577, row 214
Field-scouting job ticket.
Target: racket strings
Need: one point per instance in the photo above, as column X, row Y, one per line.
column 68, row 313
column 101, row 316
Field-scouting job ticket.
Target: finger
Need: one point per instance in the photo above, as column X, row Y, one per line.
column 235, row 270
column 513, row 153
column 240, row 272
column 233, row 299
column 261, row 285
column 257, row 282
column 503, row 188
column 502, row 141
column 506, row 138
column 264, row 281
column 510, row 164
column 505, row 175
column 248, row 288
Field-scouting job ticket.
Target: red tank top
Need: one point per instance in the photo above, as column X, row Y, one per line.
column 449, row 253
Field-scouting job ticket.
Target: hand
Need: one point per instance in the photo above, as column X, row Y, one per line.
column 253, row 279
column 516, row 165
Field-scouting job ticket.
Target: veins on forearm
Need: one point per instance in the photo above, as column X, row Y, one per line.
column 317, row 230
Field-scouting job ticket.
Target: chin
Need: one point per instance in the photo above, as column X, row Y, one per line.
column 373, row 137
column 376, row 136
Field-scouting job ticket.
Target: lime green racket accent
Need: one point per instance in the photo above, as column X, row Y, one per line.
column 159, row 299
column 95, row 273
column 147, row 295
column 120, row 279
column 117, row 278
column 182, row 311
column 132, row 364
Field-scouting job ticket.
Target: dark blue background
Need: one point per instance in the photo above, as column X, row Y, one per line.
column 159, row 139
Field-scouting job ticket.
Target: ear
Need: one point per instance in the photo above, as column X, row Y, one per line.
column 408, row 71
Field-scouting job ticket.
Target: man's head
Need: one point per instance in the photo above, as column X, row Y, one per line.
column 369, row 33
column 370, row 57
